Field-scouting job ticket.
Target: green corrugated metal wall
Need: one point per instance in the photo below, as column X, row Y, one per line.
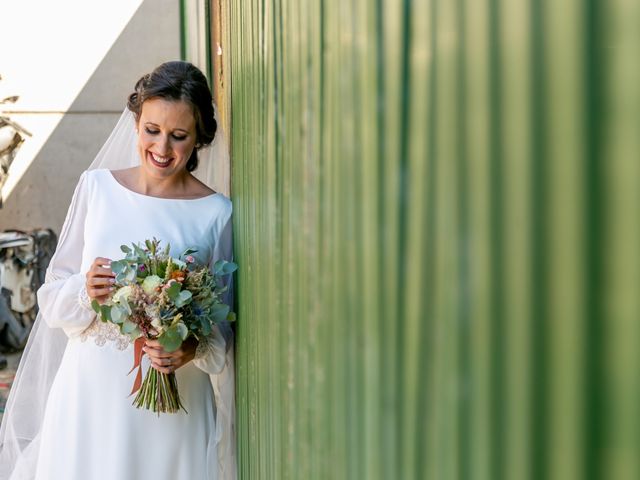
column 437, row 223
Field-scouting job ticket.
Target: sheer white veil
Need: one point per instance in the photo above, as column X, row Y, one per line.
column 24, row 412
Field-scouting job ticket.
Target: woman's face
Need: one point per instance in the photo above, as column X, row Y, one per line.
column 166, row 137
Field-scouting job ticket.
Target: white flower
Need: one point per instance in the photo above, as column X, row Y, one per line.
column 123, row 293
column 152, row 311
column 150, row 284
column 155, row 321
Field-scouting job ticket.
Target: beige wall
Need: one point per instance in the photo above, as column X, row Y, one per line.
column 73, row 76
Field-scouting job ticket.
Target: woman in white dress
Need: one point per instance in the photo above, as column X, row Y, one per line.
column 70, row 416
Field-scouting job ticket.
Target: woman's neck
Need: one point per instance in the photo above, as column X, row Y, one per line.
column 175, row 186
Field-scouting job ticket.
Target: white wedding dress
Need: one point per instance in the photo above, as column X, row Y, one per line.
column 90, row 429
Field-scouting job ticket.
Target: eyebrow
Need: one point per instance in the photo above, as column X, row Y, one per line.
column 175, row 129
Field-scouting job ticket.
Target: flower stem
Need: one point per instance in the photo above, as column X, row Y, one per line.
column 159, row 393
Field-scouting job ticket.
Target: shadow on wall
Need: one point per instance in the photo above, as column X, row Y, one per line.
column 42, row 195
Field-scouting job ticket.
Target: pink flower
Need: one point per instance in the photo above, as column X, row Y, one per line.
column 189, row 259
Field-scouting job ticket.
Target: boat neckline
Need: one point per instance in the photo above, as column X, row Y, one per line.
column 127, row 189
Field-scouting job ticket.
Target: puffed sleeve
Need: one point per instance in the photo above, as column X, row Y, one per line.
column 62, row 299
column 211, row 351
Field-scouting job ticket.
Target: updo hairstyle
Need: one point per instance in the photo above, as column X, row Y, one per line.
column 179, row 81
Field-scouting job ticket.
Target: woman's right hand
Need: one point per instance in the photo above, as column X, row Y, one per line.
column 100, row 279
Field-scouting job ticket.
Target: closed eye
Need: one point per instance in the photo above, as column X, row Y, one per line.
column 155, row 132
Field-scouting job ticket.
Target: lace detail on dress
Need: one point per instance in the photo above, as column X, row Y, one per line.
column 204, row 348
column 83, row 299
column 103, row 331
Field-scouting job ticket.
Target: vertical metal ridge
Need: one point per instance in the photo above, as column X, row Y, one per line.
column 496, row 199
column 463, row 232
column 595, row 238
column 539, row 415
column 183, row 32
column 404, row 186
column 388, row 427
column 425, row 413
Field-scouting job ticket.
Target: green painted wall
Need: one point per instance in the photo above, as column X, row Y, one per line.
column 437, row 224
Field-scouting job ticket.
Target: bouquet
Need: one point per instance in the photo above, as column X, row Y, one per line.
column 166, row 299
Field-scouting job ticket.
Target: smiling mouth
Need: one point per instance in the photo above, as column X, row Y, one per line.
column 158, row 161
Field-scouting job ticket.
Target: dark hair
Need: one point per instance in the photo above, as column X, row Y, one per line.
column 179, row 81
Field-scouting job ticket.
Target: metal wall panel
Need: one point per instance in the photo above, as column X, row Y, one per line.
column 436, row 221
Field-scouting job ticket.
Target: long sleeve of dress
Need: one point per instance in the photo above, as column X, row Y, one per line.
column 215, row 356
column 62, row 299
column 211, row 352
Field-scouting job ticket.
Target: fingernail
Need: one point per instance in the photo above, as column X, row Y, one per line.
column 112, row 280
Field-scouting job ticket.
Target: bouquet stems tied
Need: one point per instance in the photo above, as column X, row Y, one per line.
column 159, row 393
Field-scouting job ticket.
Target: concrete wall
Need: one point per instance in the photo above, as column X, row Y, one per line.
column 77, row 63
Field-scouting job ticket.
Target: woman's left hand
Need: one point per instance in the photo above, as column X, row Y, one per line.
column 169, row 362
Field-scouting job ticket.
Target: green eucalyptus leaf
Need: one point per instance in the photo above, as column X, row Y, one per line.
column 162, row 270
column 128, row 327
column 222, row 267
column 95, row 305
column 124, row 305
column 119, row 266
column 139, row 251
column 117, row 314
column 188, row 251
column 205, row 327
column 130, row 275
column 173, row 291
column 183, row 298
column 170, row 339
column 125, row 249
column 183, row 331
column 105, row 312
column 229, row 267
column 219, row 312
column 217, row 267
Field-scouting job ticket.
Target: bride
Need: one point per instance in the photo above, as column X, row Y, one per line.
column 69, row 416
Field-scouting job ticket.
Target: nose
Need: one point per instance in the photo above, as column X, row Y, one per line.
column 163, row 145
